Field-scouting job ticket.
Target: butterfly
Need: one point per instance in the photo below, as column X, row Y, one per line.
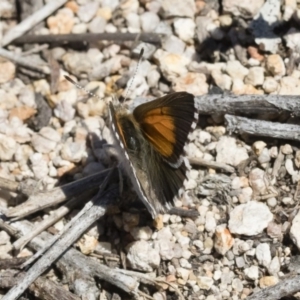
column 150, row 141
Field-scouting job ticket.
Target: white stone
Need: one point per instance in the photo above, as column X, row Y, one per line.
column 246, row 195
column 183, row 273
column 171, row 65
column 223, row 81
column 185, row 28
column 217, row 275
column 252, row 272
column 272, row 202
column 258, row 147
column 64, row 111
column 153, row 78
column 263, row 254
column 183, row 240
column 204, row 137
column 164, row 234
column 73, row 151
column 97, row 25
column 190, row 184
column 149, row 21
column 238, row 86
column 205, row 283
column 87, row 12
column 186, row 254
column 191, row 82
column 255, row 76
column 39, row 166
column 275, row 65
column 244, row 8
column 257, row 180
column 166, row 249
column 141, row 256
column 250, row 218
column 229, row 152
column 274, row 266
column 274, row 152
column 8, row 147
column 289, row 86
column 133, row 23
column 173, row 44
column 287, row 149
column 264, row 157
column 141, row 233
column 236, row 70
column 210, row 222
column 198, row 244
column 79, row 28
column 292, row 37
column 185, row 263
column 179, row 8
column 270, row 85
column 46, row 140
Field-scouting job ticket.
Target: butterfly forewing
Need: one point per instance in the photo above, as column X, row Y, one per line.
column 166, row 123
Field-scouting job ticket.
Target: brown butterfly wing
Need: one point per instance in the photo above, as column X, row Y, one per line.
column 166, row 123
column 165, row 181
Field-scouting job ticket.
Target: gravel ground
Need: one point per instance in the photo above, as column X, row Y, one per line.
column 248, row 227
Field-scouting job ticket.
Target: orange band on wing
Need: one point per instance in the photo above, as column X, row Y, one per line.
column 159, row 128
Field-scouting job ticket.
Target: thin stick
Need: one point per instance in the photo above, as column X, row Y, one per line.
column 24, row 187
column 10, row 230
column 263, row 128
column 285, row 287
column 52, row 219
column 31, row 21
column 63, row 39
column 42, row 287
column 9, row 185
column 264, row 105
column 36, row 49
column 211, row 164
column 23, row 62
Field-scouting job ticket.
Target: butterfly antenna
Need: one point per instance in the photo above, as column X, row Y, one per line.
column 80, row 87
column 135, row 72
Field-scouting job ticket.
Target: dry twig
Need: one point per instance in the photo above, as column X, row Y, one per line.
column 285, row 287
column 265, row 105
column 31, row 21
column 263, row 128
column 211, row 164
column 52, row 219
column 63, row 39
column 42, row 288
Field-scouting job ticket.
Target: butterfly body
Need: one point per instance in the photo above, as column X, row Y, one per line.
column 150, row 143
